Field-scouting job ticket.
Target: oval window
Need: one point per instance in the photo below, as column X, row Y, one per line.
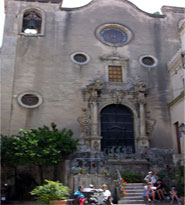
column 29, row 99
column 80, row 58
column 148, row 61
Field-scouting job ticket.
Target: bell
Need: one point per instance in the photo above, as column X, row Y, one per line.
column 31, row 25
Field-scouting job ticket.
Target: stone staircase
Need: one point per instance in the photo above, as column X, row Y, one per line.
column 134, row 195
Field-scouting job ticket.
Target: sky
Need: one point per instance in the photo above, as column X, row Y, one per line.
column 149, row 6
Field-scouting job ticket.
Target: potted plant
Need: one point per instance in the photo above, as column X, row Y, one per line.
column 81, row 170
column 51, row 193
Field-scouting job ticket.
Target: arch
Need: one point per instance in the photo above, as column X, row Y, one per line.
column 32, row 22
column 117, row 129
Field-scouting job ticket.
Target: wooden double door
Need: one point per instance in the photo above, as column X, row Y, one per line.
column 117, row 129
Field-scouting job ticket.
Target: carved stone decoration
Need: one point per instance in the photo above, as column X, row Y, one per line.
column 96, row 85
column 140, row 91
column 93, row 91
column 117, row 96
column 150, row 124
column 96, row 145
column 93, row 96
column 84, row 122
column 140, row 87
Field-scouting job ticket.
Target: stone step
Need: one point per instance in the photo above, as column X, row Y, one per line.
column 136, row 186
column 131, row 202
column 134, row 189
column 135, row 183
column 133, row 197
column 133, row 194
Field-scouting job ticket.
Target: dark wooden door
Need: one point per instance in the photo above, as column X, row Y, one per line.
column 117, row 129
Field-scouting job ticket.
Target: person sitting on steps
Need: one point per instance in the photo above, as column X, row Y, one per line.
column 173, row 195
column 150, row 178
column 160, row 189
column 149, row 191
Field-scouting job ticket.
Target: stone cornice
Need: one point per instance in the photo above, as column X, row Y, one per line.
column 172, row 9
column 175, row 62
column 177, row 99
column 181, row 25
column 44, row 1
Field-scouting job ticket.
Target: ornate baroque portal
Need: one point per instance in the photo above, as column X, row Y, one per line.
column 114, row 120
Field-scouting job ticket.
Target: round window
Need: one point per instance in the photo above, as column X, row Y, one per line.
column 29, row 99
column 80, row 58
column 113, row 34
column 148, row 61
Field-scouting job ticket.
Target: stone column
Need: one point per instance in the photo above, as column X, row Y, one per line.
column 95, row 138
column 94, row 119
column 142, row 119
column 143, row 140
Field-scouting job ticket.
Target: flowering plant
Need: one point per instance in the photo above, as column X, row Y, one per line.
column 123, row 183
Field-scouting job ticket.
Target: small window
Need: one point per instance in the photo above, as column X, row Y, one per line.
column 80, row 58
column 32, row 22
column 29, row 99
column 115, row 74
column 148, row 61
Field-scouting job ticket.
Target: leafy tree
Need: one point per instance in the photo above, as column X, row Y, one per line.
column 42, row 147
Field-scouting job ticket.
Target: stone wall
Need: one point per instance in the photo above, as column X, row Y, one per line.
column 43, row 64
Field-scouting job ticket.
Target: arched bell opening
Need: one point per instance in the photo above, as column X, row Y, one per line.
column 117, row 130
column 32, row 22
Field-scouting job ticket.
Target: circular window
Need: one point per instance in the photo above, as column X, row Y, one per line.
column 148, row 61
column 113, row 34
column 29, row 99
column 80, row 58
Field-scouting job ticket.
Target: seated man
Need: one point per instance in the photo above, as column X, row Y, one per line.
column 150, row 178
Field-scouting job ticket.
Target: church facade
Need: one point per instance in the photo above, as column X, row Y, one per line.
column 100, row 70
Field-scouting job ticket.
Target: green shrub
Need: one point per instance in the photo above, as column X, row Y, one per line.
column 132, row 177
column 50, row 191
